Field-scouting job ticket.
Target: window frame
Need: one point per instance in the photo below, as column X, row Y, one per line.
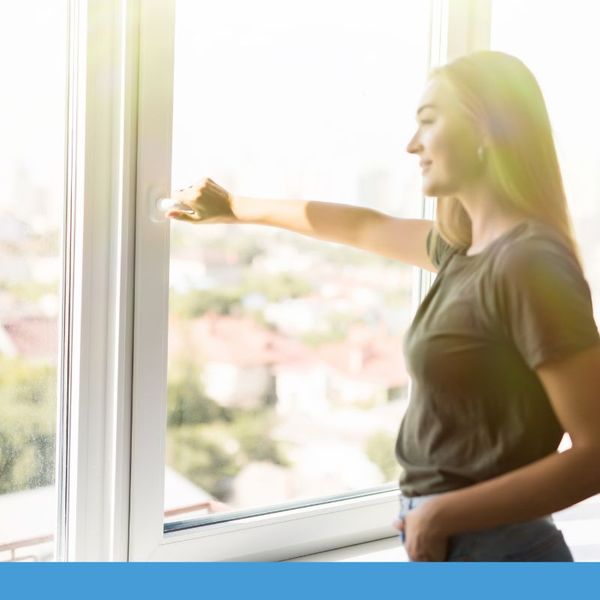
column 93, row 453
column 114, row 458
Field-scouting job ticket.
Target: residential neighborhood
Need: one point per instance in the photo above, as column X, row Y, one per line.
column 296, row 353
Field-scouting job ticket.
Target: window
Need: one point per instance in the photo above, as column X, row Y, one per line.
column 572, row 96
column 572, row 93
column 161, row 449
column 283, row 351
column 32, row 174
column 284, row 374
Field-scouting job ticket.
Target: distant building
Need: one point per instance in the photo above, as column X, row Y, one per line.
column 245, row 364
column 237, row 357
column 30, row 338
column 29, row 516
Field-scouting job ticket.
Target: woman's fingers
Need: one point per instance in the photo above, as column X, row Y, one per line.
column 183, row 216
column 210, row 202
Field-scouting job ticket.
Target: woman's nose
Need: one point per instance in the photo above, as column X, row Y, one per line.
column 413, row 145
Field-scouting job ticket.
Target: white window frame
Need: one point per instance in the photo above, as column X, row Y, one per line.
column 115, row 425
column 94, row 430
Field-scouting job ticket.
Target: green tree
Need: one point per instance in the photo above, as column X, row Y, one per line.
column 252, row 429
column 27, row 424
column 229, row 300
column 193, row 452
column 380, row 450
column 209, row 444
column 187, row 402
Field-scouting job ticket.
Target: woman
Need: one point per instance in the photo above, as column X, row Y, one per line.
column 503, row 352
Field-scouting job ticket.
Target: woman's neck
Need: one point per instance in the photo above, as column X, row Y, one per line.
column 489, row 219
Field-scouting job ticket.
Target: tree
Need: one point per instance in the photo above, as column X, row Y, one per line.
column 27, row 424
column 380, row 450
column 187, row 402
column 209, row 444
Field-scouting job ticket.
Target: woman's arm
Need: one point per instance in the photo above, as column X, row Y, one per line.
column 364, row 228
column 547, row 485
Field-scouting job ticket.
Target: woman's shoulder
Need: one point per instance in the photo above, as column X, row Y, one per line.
column 536, row 247
column 438, row 249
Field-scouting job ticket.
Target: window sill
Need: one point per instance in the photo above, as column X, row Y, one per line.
column 385, row 550
column 580, row 525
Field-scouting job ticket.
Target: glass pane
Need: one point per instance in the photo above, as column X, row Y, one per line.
column 565, row 73
column 32, row 120
column 286, row 382
column 558, row 41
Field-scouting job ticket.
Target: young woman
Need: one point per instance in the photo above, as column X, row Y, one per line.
column 504, row 353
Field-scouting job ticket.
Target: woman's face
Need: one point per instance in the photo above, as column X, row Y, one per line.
column 445, row 142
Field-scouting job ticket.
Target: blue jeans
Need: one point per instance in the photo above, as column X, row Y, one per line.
column 537, row 540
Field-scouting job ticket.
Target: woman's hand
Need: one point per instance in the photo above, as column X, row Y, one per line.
column 422, row 540
column 210, row 204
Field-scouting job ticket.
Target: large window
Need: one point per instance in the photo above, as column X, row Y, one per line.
column 276, row 407
column 286, row 378
column 225, row 392
column 33, row 44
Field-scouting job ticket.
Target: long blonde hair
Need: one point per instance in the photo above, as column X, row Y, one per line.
column 505, row 103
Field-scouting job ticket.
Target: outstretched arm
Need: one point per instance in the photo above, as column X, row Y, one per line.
column 364, row 228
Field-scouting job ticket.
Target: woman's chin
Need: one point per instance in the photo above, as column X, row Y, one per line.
column 431, row 190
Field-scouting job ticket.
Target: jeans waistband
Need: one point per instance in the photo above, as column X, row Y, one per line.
column 407, row 503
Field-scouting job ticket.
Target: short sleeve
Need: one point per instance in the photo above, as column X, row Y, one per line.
column 544, row 302
column 438, row 249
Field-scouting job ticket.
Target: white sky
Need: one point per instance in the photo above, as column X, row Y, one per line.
column 297, row 96
column 301, row 95
column 33, row 75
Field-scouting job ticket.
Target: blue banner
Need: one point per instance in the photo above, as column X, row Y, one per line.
column 306, row 581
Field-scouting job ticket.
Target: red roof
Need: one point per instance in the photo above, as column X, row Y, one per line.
column 34, row 337
column 369, row 354
column 237, row 340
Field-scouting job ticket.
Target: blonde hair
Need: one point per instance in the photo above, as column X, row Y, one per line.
column 502, row 98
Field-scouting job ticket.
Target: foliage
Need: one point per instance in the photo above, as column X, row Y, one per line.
column 27, row 425
column 338, row 326
column 210, row 444
column 228, row 300
column 30, row 291
column 243, row 249
column 251, row 428
column 206, row 461
column 187, row 402
column 380, row 449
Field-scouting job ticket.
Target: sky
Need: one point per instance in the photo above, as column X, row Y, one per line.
column 32, row 102
column 297, row 96
column 284, row 98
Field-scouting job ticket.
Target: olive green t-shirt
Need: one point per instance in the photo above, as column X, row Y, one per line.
column 477, row 408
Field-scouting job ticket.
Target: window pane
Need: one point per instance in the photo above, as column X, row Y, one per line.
column 558, row 41
column 32, row 121
column 286, row 381
column 565, row 72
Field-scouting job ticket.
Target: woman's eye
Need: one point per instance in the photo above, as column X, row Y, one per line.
column 426, row 122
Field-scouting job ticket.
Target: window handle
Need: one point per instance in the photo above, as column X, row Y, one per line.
column 161, row 204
